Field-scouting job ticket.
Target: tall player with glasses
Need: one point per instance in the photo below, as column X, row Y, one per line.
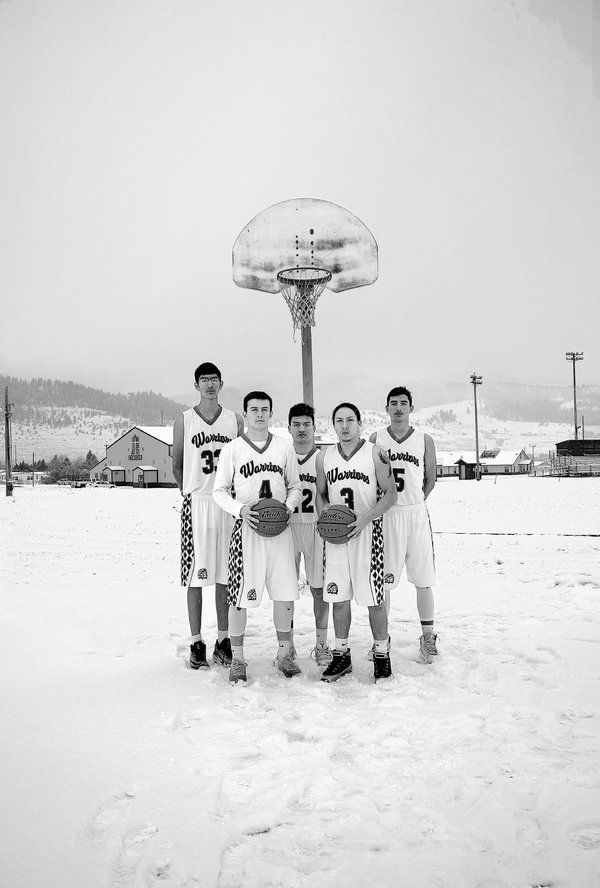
column 199, row 435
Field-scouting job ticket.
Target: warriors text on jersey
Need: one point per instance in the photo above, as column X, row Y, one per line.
column 257, row 474
column 202, row 445
column 407, row 460
column 306, row 512
column 351, row 480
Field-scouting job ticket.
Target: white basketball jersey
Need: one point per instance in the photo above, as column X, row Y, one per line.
column 256, row 474
column 351, row 481
column 306, row 512
column 407, row 459
column 202, row 445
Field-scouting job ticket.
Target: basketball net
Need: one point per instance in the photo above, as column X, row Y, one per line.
column 301, row 287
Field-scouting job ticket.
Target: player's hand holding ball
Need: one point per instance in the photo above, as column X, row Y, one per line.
column 249, row 516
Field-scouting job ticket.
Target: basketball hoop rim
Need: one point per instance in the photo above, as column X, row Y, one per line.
column 291, row 277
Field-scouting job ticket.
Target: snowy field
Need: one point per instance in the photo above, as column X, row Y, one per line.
column 122, row 768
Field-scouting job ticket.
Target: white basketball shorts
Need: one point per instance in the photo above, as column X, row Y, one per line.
column 308, row 543
column 205, row 534
column 256, row 562
column 355, row 569
column 408, row 540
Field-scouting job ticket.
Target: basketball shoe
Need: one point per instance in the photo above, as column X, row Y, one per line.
column 341, row 664
column 222, row 652
column 382, row 666
column 287, row 666
column 322, row 653
column 198, row 656
column 237, row 671
column 372, row 648
column 428, row 647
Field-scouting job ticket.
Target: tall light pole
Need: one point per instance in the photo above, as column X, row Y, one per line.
column 8, row 408
column 476, row 380
column 574, row 356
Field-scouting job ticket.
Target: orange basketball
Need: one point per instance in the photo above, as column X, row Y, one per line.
column 273, row 518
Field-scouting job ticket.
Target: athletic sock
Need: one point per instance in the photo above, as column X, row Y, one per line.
column 222, row 635
column 381, row 647
column 321, row 636
column 427, row 627
column 237, row 652
column 284, row 649
column 196, row 638
column 341, row 644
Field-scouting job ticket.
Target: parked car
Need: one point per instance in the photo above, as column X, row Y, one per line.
column 101, row 484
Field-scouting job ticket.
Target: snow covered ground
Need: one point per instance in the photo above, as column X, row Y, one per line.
column 123, row 768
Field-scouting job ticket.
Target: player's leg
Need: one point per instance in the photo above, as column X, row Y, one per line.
column 420, row 570
column 222, row 651
column 341, row 663
column 237, row 626
column 197, row 646
column 223, row 524
column 281, row 581
column 321, row 652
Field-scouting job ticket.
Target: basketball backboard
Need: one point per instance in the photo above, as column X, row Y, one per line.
column 306, row 232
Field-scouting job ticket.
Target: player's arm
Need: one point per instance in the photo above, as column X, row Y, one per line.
column 373, row 438
column 429, row 467
column 385, row 481
column 178, row 451
column 223, row 483
column 292, row 480
column 240, row 424
column 321, row 498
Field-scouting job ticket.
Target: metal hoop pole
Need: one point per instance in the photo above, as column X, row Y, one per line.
column 307, row 366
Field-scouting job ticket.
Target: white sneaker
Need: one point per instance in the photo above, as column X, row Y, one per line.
column 322, row 653
column 428, row 647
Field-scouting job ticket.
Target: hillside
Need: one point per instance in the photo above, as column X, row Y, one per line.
column 52, row 417
column 56, row 417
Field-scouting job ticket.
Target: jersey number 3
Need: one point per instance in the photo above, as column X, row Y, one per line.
column 211, row 460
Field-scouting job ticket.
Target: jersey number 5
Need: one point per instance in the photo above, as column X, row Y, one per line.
column 399, row 479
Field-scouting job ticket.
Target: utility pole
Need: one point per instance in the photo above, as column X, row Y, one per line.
column 7, row 414
column 574, row 356
column 476, row 380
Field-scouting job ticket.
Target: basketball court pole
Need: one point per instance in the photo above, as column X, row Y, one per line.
column 307, row 366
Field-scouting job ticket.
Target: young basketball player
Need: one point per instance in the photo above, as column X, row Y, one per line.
column 350, row 473
column 259, row 465
column 307, row 542
column 198, row 437
column 407, row 528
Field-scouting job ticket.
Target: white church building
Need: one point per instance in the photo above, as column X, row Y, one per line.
column 142, row 457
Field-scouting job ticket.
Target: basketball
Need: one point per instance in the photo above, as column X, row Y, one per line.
column 273, row 518
column 333, row 524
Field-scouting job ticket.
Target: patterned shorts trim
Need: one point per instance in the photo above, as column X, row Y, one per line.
column 187, row 541
column 236, row 564
column 377, row 562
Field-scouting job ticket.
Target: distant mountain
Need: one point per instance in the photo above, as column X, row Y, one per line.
column 55, row 403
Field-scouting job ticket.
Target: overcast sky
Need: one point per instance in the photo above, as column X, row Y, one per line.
column 140, row 136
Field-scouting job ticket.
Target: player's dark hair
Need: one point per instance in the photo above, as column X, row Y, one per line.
column 301, row 410
column 349, row 406
column 396, row 392
column 206, row 369
column 258, row 396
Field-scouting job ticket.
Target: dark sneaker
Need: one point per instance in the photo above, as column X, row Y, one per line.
column 372, row 648
column 382, row 666
column 428, row 647
column 340, row 665
column 237, row 671
column 222, row 652
column 198, row 656
column 288, row 666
